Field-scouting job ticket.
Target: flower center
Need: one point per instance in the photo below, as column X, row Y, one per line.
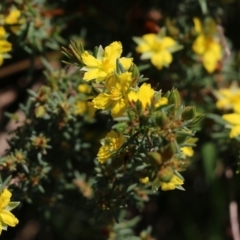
column 115, row 94
column 157, row 46
column 107, row 66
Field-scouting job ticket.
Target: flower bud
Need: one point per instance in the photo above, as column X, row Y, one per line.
column 40, row 111
column 165, row 174
column 198, row 117
column 168, row 151
column 161, row 119
column 135, row 72
column 188, row 113
column 155, row 158
column 174, row 98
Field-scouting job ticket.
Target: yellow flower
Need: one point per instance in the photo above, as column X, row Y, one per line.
column 234, row 120
column 172, row 184
column 144, row 180
column 110, row 144
column 206, row 45
column 6, row 217
column 144, row 95
column 158, row 49
column 188, row 150
column 5, row 47
column 228, row 98
column 161, row 101
column 114, row 99
column 80, row 107
column 2, row 32
column 85, row 108
column 84, row 88
column 104, row 64
column 13, row 17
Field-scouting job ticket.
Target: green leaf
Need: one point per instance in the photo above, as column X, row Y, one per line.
column 203, row 6
column 6, row 182
column 131, row 187
column 25, row 167
column 216, row 118
column 12, row 205
column 209, row 155
column 155, row 185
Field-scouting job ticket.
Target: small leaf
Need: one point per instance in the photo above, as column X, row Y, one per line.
column 12, row 205
column 131, row 187
column 155, row 185
column 216, row 118
column 209, row 159
column 25, row 167
column 6, row 182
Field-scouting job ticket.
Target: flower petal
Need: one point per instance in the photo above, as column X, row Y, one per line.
column 126, row 62
column 232, row 118
column 235, row 131
column 187, row 151
column 167, row 186
column 5, row 198
column 161, row 101
column 1, row 59
column 145, row 94
column 2, row 32
column 89, row 60
column 160, row 59
column 150, row 38
column 8, row 218
column 102, row 101
column 215, row 48
column 199, row 45
column 113, row 51
column 1, row 228
column 5, row 46
column 167, row 42
column 118, row 108
column 210, row 61
column 132, row 96
column 12, row 17
column 176, row 180
column 97, row 74
column 197, row 25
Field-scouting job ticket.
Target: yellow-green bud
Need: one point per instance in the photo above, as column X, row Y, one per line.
column 182, row 136
column 135, row 72
column 168, row 151
column 198, row 117
column 161, row 119
column 165, row 174
column 40, row 111
column 174, row 98
column 188, row 113
column 155, row 158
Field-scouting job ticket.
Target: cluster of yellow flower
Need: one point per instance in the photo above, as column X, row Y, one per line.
column 115, row 79
column 159, row 48
column 11, row 21
column 229, row 99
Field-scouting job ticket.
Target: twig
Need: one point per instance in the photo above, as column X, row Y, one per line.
column 233, row 210
column 224, row 43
